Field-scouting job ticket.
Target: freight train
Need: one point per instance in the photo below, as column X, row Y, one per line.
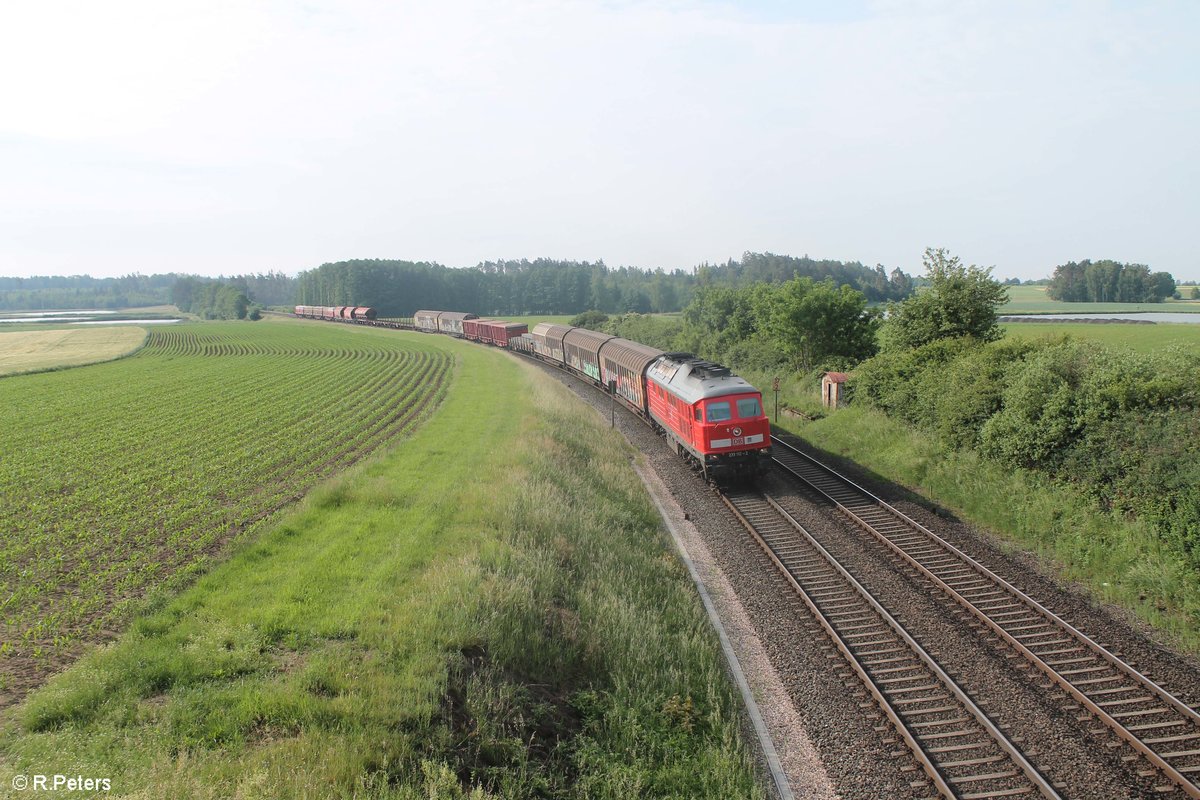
column 708, row 415
column 356, row 313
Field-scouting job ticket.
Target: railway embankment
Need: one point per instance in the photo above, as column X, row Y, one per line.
column 858, row 748
column 1118, row 561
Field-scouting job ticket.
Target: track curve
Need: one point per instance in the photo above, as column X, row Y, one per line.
column 1153, row 722
column 961, row 751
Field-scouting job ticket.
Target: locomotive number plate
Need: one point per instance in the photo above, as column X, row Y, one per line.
column 739, row 440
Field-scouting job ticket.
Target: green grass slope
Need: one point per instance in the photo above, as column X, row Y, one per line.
column 488, row 608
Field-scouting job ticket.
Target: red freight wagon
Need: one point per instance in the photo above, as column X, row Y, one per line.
column 474, row 330
column 487, row 330
column 504, row 332
column 711, row 414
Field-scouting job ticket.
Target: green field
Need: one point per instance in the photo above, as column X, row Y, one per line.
column 1033, row 300
column 134, row 473
column 489, row 607
column 37, row 350
column 1143, row 338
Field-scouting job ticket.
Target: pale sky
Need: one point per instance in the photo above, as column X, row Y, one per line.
column 226, row 137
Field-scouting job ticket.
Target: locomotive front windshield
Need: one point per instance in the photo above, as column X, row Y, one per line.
column 747, row 408
column 717, row 412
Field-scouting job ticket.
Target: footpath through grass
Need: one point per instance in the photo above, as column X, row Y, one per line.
column 1119, row 560
column 37, row 350
column 489, row 609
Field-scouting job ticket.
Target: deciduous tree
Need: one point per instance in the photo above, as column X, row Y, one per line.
column 959, row 301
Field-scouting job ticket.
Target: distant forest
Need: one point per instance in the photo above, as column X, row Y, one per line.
column 543, row 286
column 398, row 288
column 547, row 286
column 84, row 291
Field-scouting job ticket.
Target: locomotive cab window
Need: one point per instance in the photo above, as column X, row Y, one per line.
column 749, row 407
column 718, row 412
column 697, row 413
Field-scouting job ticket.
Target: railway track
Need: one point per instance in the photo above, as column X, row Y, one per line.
column 1157, row 726
column 962, row 753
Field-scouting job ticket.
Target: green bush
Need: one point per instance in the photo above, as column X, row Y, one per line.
column 1122, row 426
column 905, row 383
column 970, row 390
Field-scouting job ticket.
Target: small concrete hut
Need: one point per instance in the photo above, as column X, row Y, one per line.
column 833, row 389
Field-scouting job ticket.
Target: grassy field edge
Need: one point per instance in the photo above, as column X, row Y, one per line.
column 488, row 608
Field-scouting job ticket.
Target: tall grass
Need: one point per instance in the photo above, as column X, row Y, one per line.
column 489, row 609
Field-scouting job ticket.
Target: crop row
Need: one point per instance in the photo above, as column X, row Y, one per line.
column 126, row 474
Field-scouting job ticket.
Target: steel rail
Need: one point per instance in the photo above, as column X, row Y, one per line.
column 944, row 783
column 1096, row 707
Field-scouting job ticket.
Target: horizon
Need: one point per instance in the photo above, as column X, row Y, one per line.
column 692, row 269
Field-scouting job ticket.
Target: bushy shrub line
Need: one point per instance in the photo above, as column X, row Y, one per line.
column 1122, row 426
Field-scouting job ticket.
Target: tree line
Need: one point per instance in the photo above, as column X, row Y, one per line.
column 212, row 299
column 84, row 291
column 802, row 324
column 1109, row 282
column 548, row 286
column 876, row 283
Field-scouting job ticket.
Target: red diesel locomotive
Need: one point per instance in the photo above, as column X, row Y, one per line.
column 709, row 415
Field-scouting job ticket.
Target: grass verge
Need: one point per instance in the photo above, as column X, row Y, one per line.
column 1120, row 561
column 487, row 609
